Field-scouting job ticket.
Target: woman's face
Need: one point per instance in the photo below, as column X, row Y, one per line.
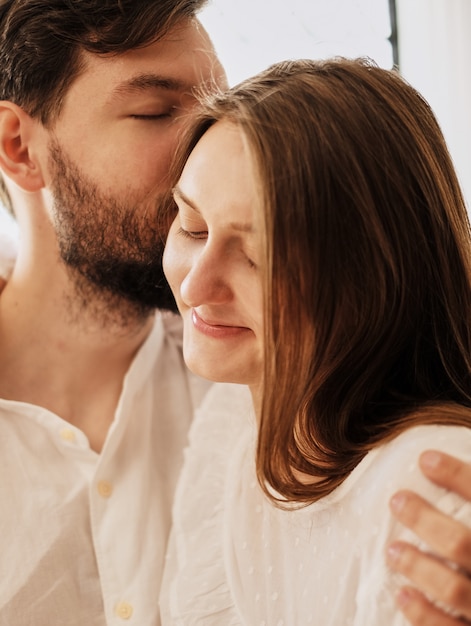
column 212, row 259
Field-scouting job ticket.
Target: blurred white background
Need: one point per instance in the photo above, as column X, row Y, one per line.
column 435, row 57
column 251, row 34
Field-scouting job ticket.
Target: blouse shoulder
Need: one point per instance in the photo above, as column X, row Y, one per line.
column 195, row 589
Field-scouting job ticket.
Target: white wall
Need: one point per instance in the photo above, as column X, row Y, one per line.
column 249, row 35
column 435, row 57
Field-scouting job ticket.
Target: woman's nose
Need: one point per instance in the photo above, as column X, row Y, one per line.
column 208, row 281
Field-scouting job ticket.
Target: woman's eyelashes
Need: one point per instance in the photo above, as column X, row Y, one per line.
column 196, row 235
column 193, row 234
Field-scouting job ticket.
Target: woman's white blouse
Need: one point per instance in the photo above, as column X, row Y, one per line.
column 235, row 559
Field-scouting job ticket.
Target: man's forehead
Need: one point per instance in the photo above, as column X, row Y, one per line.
column 175, row 64
column 157, row 66
column 115, row 78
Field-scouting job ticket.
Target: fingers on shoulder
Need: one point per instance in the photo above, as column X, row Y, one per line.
column 440, row 580
column 447, row 471
column 450, row 538
column 420, row 612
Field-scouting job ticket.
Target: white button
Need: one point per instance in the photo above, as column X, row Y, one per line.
column 105, row 489
column 67, row 434
column 124, row 610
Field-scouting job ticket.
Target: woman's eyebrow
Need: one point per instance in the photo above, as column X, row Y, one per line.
column 177, row 192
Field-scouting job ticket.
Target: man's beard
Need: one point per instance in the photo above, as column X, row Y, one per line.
column 113, row 246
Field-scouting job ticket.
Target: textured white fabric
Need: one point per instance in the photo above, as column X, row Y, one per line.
column 234, row 559
column 83, row 536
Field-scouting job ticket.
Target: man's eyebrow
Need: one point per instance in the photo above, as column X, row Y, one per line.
column 144, row 82
column 240, row 226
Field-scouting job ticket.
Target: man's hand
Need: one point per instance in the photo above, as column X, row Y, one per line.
column 445, row 577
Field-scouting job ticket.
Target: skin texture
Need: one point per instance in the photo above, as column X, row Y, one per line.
column 447, row 538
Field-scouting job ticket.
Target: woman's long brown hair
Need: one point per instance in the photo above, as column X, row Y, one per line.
column 368, row 281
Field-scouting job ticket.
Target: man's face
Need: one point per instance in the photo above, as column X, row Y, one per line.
column 109, row 155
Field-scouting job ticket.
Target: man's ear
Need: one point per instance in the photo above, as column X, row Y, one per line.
column 17, row 155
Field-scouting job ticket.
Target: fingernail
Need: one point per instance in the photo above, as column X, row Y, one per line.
column 430, row 459
column 394, row 552
column 397, row 502
column 403, row 597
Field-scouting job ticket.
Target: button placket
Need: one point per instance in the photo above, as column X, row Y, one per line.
column 67, row 434
column 124, row 610
column 104, row 488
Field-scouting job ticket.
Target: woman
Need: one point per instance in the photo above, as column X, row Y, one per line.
column 320, row 255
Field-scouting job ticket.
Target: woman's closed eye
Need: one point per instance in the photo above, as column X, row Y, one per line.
column 193, row 234
column 196, row 235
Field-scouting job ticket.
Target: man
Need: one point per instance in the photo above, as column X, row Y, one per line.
column 96, row 400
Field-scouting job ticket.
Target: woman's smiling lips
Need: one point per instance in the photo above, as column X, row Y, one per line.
column 216, row 330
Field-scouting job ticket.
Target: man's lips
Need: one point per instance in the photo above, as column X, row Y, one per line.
column 216, row 328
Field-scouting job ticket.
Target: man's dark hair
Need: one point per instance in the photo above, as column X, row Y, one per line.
column 41, row 41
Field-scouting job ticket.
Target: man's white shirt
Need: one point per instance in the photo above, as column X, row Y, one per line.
column 83, row 535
